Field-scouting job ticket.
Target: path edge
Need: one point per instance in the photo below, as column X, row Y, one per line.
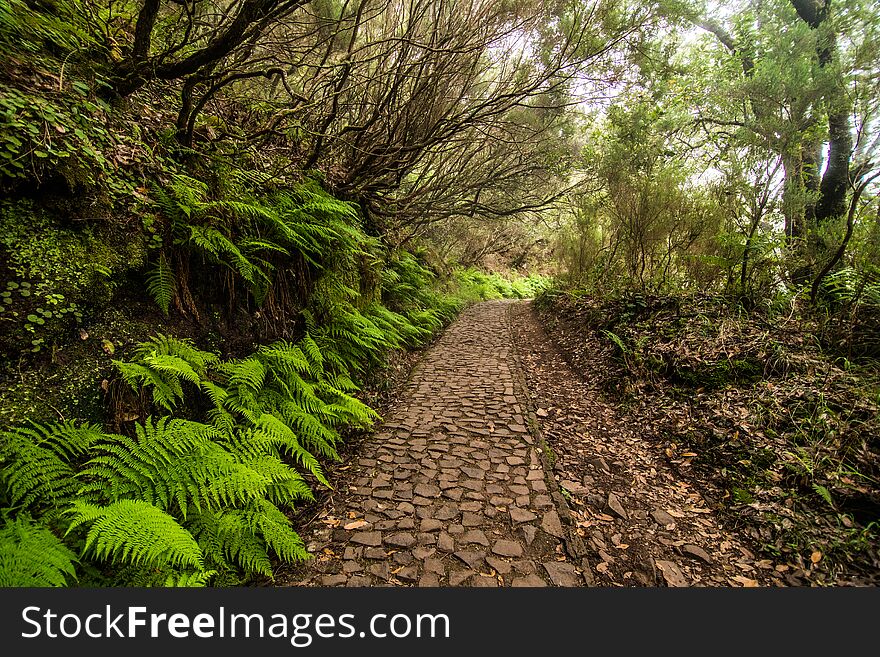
column 573, row 544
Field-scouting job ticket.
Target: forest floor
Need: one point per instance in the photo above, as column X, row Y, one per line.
column 500, row 466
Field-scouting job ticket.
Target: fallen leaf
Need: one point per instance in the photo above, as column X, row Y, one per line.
column 746, row 582
column 816, row 557
column 357, row 524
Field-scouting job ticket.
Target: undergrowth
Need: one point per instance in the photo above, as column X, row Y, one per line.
column 780, row 427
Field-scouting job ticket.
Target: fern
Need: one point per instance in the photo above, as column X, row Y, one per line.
column 38, row 468
column 161, row 364
column 135, row 532
column 31, row 555
column 161, row 284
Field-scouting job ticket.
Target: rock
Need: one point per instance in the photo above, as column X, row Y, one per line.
column 422, row 552
column 507, row 548
column 408, row 573
column 481, row 581
column 672, row 574
column 616, row 507
column 445, row 542
column 447, row 512
column 429, row 580
column 529, row 533
column 435, row 566
column 574, row 487
column 375, row 553
column 528, row 581
column 333, row 580
column 521, row 515
column 351, row 567
column 402, row 539
column 596, row 501
column 469, row 519
column 459, row 577
column 471, row 558
column 426, row 490
column 404, row 558
column 380, row 570
column 599, row 463
column 662, row 518
column 474, row 536
column 373, row 539
column 542, row 412
column 552, row 525
column 430, row 525
column 502, row 567
column 697, row 552
column 563, row 574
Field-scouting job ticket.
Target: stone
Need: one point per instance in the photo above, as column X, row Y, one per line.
column 333, row 580
column 616, row 507
column 401, row 539
column 697, row 552
column 519, row 515
column 662, row 518
column 459, row 577
column 408, row 573
column 445, row 542
column 474, row 536
column 563, row 574
column 481, row 581
column 435, row 566
column 500, row 566
column 472, row 519
column 471, row 558
column 506, row 548
column 351, row 567
column 430, row 525
column 599, row 463
column 552, row 524
column 447, row 512
column 375, row 553
column 529, row 533
column 373, row 539
column 423, row 552
column 426, row 490
column 574, row 487
column 672, row 574
column 429, row 580
column 532, row 581
column 380, row 570
column 403, row 558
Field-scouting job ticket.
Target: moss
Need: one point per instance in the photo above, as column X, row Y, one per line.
column 54, row 274
column 69, row 384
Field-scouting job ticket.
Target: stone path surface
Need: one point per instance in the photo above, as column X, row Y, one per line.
column 450, row 490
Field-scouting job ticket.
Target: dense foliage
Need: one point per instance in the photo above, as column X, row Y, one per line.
column 219, row 218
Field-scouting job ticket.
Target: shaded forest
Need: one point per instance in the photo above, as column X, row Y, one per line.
column 224, row 225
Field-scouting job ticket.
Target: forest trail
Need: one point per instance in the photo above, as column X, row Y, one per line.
column 458, row 488
column 450, row 490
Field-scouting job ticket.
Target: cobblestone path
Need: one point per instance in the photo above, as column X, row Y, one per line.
column 450, row 491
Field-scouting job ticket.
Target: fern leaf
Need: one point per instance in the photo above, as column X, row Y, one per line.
column 31, row 555
column 161, row 284
column 137, row 533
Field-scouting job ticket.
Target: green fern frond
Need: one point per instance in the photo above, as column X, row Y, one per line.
column 36, row 461
column 195, row 579
column 161, row 284
column 137, row 533
column 31, row 555
column 276, row 428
